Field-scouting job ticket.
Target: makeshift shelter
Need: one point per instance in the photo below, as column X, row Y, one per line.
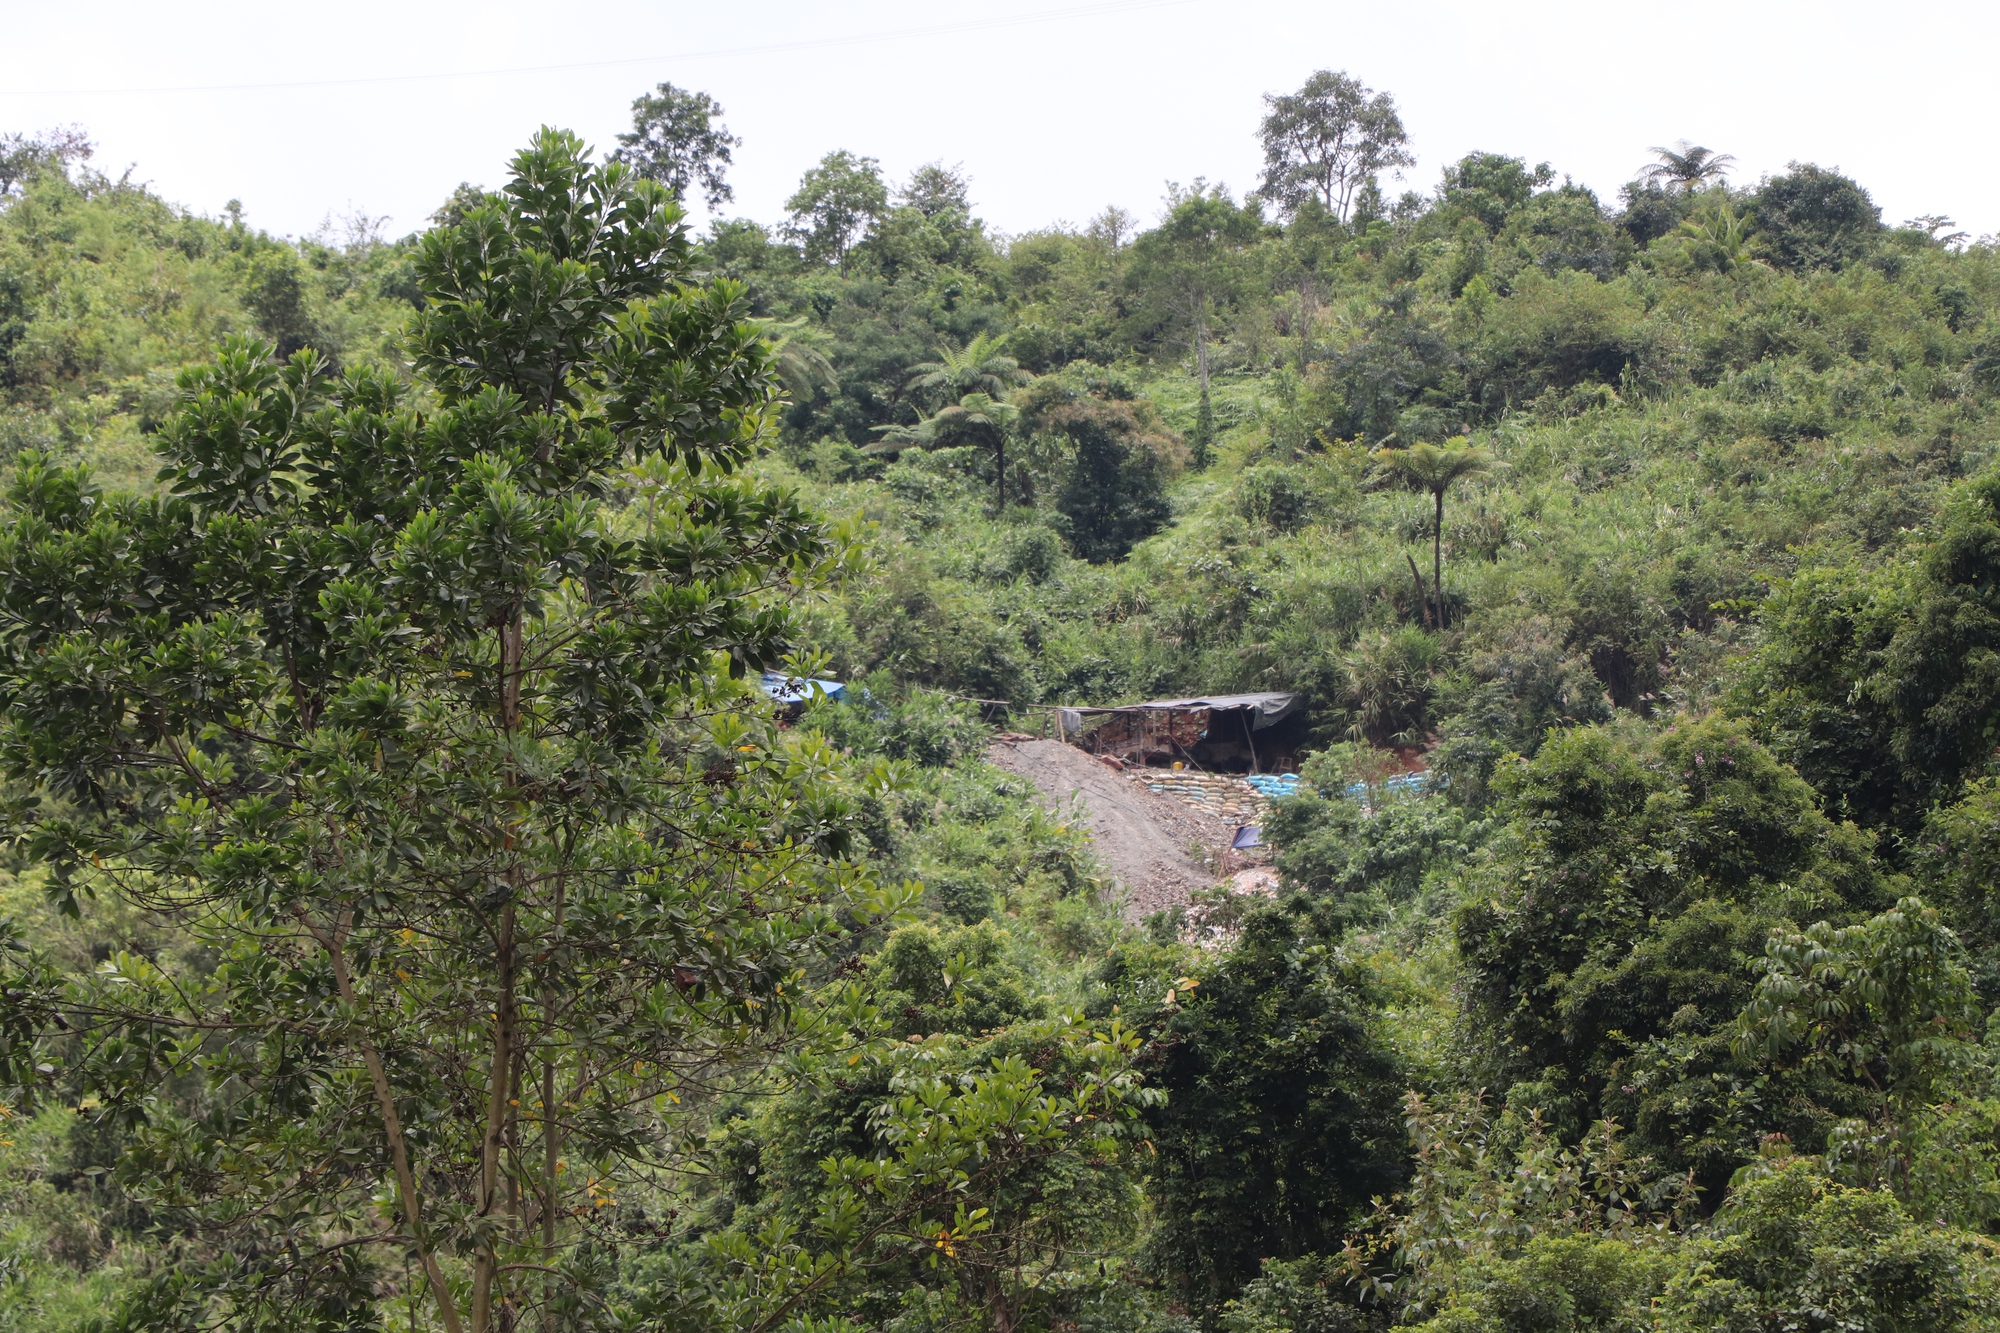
column 792, row 694
column 1223, row 733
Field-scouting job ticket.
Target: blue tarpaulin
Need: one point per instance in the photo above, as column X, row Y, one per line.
column 791, row 690
column 1403, row 784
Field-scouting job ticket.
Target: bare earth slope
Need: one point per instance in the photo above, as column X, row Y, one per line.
column 1142, row 837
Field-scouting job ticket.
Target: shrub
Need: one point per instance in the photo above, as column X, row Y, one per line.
column 1390, row 685
column 1792, row 1249
column 1326, row 846
column 931, row 730
column 1283, row 496
column 1298, row 1296
column 1556, row 331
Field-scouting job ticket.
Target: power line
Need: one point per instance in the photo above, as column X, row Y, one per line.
column 1106, row 7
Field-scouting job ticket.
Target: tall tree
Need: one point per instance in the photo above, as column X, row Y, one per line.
column 1879, row 680
column 1327, row 140
column 1606, row 946
column 979, row 367
column 1279, row 1121
column 1118, row 457
column 22, row 155
column 977, row 419
column 1812, row 217
column 935, row 188
column 1686, row 166
column 1114, row 226
column 439, row 760
column 834, row 204
column 1188, row 270
column 1435, row 469
column 1492, row 187
column 678, row 139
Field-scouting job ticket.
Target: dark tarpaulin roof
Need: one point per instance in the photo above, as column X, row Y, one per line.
column 1268, row 709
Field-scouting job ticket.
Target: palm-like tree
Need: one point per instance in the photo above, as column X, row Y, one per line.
column 980, row 417
column 979, row 367
column 1686, row 166
column 800, row 364
column 1434, row 468
column 1720, row 229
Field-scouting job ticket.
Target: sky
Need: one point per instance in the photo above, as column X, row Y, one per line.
column 318, row 114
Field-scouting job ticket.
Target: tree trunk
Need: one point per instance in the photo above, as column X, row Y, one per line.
column 486, row 1265
column 1201, row 345
column 486, row 1261
column 392, row 1127
column 1423, row 598
column 517, row 1203
column 550, row 1147
column 1006, row 1317
column 1000, row 475
column 551, row 1136
column 1437, row 557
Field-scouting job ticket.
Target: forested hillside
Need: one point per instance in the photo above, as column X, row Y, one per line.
column 417, row 918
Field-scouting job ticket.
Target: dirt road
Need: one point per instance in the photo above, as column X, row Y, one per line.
column 1149, row 842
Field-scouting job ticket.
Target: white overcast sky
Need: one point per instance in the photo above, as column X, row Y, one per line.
column 1055, row 107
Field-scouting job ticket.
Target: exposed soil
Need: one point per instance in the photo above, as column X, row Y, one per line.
column 1153, row 845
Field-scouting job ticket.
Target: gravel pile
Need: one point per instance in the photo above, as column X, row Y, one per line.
column 1159, row 849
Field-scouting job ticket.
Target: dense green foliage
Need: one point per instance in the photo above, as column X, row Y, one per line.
column 1662, row 532
column 1279, row 1123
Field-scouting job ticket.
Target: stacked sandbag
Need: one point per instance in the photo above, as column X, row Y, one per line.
column 1220, row 794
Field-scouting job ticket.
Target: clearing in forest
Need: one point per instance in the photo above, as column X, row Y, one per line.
column 1159, row 850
